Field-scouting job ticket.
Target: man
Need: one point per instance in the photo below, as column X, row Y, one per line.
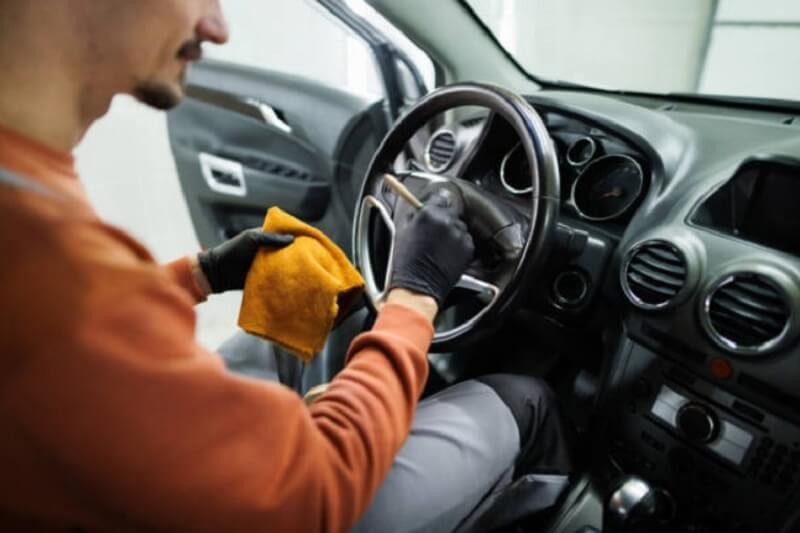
column 113, row 418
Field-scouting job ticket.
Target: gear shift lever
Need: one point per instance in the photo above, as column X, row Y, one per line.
column 636, row 506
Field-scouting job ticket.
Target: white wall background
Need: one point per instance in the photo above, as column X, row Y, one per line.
column 126, row 164
column 753, row 48
column 634, row 44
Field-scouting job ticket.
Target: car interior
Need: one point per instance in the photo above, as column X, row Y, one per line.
column 638, row 251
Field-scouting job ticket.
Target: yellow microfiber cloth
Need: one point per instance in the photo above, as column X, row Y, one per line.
column 294, row 294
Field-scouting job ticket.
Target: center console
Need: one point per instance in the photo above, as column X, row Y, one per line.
column 729, row 465
column 676, row 453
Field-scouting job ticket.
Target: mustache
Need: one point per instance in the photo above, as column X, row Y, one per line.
column 191, row 50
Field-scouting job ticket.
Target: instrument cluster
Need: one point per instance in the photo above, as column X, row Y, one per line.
column 599, row 182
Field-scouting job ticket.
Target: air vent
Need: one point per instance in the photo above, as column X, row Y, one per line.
column 654, row 274
column 441, row 151
column 747, row 313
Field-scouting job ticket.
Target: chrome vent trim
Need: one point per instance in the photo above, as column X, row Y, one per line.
column 747, row 313
column 441, row 151
column 653, row 274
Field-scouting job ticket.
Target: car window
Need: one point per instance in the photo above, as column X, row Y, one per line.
column 725, row 47
column 301, row 38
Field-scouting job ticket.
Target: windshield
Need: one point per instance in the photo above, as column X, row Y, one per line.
column 723, row 47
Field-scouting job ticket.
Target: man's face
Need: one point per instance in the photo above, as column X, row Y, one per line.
column 149, row 44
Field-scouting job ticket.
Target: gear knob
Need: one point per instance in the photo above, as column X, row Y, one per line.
column 635, row 504
column 623, row 503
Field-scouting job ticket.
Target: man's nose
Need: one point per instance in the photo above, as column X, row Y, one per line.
column 212, row 27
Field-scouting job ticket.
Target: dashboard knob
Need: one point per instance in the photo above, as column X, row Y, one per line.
column 697, row 422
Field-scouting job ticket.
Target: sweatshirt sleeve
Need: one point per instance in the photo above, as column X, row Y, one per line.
column 153, row 432
column 180, row 271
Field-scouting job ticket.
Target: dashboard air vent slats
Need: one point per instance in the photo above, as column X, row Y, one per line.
column 654, row 274
column 441, row 151
column 746, row 313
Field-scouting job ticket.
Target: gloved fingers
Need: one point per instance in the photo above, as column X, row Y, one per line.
column 441, row 198
column 260, row 237
column 275, row 239
column 460, row 225
column 468, row 243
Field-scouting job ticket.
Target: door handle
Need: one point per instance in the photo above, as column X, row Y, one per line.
column 269, row 114
column 247, row 106
column 223, row 175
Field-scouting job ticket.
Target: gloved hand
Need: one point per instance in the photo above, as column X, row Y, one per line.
column 226, row 266
column 432, row 249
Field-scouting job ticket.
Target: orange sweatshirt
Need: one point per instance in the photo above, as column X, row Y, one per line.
column 113, row 417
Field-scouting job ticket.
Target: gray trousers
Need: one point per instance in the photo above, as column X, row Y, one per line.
column 458, row 469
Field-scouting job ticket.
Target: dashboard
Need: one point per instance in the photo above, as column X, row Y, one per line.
column 681, row 222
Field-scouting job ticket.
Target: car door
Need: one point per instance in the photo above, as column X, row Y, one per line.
column 247, row 138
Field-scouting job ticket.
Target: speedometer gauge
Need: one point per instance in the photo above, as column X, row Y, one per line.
column 607, row 187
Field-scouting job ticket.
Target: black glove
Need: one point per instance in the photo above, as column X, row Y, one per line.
column 226, row 265
column 432, row 249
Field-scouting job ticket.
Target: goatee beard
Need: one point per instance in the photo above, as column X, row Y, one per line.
column 159, row 95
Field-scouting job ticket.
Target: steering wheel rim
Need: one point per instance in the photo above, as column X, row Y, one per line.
column 542, row 216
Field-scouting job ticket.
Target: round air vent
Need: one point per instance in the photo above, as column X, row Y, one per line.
column 441, row 151
column 747, row 313
column 653, row 274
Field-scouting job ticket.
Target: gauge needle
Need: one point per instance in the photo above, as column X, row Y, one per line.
column 616, row 192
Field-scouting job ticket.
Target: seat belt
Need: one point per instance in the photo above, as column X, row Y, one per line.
column 19, row 182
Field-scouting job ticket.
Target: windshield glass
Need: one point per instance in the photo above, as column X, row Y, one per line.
column 723, row 47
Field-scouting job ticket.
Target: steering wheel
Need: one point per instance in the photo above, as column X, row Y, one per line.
column 512, row 244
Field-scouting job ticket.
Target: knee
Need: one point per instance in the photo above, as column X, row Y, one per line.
column 241, row 347
column 542, row 431
column 528, row 398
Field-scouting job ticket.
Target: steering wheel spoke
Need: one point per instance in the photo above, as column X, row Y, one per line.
column 370, row 206
column 484, row 291
column 418, row 182
column 476, row 298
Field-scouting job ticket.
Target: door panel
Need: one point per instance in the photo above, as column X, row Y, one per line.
column 246, row 139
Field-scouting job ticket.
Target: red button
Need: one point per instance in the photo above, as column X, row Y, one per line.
column 721, row 368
